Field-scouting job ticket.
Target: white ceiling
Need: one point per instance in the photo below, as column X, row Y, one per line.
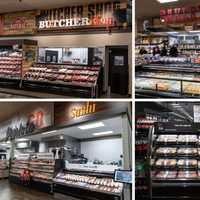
column 16, row 5
column 112, row 124
column 151, row 8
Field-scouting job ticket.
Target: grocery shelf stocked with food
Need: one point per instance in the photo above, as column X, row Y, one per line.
column 42, row 170
column 143, row 125
column 11, row 65
column 74, row 77
column 102, row 185
column 172, row 80
column 174, row 158
column 4, row 170
column 18, row 166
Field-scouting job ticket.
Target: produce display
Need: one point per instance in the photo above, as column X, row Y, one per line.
column 89, row 182
column 11, row 65
column 76, row 75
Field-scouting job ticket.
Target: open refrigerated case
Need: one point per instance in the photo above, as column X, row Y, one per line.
column 174, row 160
column 173, row 80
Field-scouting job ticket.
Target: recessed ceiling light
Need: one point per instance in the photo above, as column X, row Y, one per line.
column 90, row 126
column 103, row 133
column 45, row 133
column 166, row 1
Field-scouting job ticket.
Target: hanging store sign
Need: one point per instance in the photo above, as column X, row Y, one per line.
column 78, row 112
column 27, row 122
column 109, row 14
column 18, row 23
column 180, row 15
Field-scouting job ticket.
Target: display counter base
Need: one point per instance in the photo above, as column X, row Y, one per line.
column 58, row 89
column 83, row 194
column 145, row 94
column 43, row 187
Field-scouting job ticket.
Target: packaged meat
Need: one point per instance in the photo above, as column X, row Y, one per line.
column 166, row 174
column 164, row 150
column 187, row 151
column 187, row 174
column 166, row 162
column 187, row 163
column 167, row 138
column 187, row 138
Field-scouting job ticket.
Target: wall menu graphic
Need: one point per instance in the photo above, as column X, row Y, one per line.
column 18, row 23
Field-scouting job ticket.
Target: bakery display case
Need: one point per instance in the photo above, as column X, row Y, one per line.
column 173, row 157
column 168, row 80
column 88, row 185
column 72, row 79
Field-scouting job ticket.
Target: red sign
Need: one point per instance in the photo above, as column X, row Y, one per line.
column 180, row 15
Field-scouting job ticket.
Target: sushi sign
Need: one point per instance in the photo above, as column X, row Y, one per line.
column 80, row 111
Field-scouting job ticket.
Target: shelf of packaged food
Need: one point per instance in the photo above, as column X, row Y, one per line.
column 40, row 170
column 193, row 68
column 85, row 188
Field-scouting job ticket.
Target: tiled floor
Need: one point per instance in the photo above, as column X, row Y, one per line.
column 15, row 192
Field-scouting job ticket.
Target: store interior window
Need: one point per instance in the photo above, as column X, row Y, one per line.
column 71, row 56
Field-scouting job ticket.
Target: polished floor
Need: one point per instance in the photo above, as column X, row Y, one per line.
column 14, row 192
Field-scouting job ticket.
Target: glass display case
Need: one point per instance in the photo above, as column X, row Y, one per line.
column 168, row 80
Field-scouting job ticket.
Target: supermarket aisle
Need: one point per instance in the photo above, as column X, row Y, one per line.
column 15, row 192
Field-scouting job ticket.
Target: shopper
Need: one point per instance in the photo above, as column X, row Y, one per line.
column 143, row 51
column 156, row 51
column 25, row 177
column 163, row 51
column 174, row 51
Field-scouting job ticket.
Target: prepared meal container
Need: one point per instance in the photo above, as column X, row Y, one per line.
column 187, row 174
column 187, row 151
column 187, row 163
column 166, row 174
column 164, row 150
column 167, row 138
column 166, row 162
column 187, row 138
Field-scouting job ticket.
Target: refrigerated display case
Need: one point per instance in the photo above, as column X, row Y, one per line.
column 88, row 185
column 174, row 160
column 172, row 80
column 143, row 126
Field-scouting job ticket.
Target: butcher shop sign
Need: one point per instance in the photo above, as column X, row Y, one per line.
column 96, row 15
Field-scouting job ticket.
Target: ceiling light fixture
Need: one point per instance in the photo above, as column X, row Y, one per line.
column 22, row 140
column 45, row 133
column 167, row 1
column 90, row 126
column 103, row 133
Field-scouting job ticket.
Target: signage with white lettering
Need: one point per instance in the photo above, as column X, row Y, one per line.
column 109, row 14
